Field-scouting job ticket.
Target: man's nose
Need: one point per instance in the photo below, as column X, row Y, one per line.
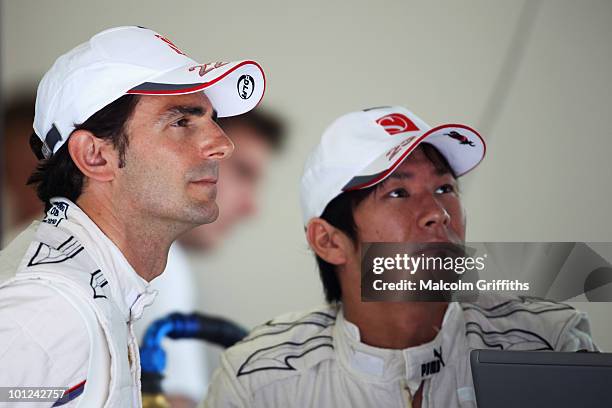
column 216, row 145
column 433, row 214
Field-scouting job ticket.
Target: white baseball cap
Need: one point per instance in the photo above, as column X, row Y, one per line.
column 361, row 149
column 134, row 60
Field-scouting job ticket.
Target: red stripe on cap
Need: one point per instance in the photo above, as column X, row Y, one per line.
column 384, row 174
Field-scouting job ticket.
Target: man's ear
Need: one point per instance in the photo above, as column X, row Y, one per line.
column 95, row 157
column 327, row 241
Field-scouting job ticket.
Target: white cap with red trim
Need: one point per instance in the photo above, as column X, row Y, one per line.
column 134, row 60
column 360, row 149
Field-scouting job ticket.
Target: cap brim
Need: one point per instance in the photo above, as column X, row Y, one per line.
column 462, row 146
column 233, row 88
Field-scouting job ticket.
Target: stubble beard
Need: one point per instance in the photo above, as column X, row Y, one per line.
column 149, row 194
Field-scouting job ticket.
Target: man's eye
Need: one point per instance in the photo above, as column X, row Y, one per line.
column 446, row 188
column 398, row 193
column 181, row 123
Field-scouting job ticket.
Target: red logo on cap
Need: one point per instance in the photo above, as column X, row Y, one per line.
column 395, row 123
column 171, row 44
column 206, row 68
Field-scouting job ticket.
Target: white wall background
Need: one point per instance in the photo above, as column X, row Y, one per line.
column 538, row 85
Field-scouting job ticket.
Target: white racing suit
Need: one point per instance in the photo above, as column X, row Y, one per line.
column 317, row 360
column 68, row 299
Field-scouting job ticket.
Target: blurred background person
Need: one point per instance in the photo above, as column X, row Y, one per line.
column 257, row 135
column 20, row 204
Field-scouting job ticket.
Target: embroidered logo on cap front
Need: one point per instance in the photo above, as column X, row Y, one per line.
column 391, row 153
column 461, row 138
column 395, row 123
column 206, row 68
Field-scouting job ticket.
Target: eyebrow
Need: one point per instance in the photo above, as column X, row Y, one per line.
column 401, row 175
column 193, row 110
column 398, row 175
column 185, row 110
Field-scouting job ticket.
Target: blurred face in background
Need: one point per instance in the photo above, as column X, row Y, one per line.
column 239, row 179
column 18, row 163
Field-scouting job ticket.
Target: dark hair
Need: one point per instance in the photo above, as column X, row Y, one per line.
column 339, row 213
column 58, row 176
column 267, row 125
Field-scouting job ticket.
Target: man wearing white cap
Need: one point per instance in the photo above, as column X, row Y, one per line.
column 384, row 175
column 129, row 147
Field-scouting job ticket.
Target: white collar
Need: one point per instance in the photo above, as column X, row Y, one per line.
column 412, row 364
column 130, row 292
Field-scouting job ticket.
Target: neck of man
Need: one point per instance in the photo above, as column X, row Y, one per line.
column 144, row 241
column 395, row 325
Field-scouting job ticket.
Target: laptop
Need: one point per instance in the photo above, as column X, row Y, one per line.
column 541, row 379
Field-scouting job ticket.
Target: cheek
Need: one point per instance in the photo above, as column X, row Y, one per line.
column 150, row 172
column 386, row 225
column 457, row 214
column 141, row 165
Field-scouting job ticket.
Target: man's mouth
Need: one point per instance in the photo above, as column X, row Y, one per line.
column 439, row 247
column 206, row 181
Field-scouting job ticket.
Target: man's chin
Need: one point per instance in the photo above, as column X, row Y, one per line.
column 203, row 191
column 199, row 213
